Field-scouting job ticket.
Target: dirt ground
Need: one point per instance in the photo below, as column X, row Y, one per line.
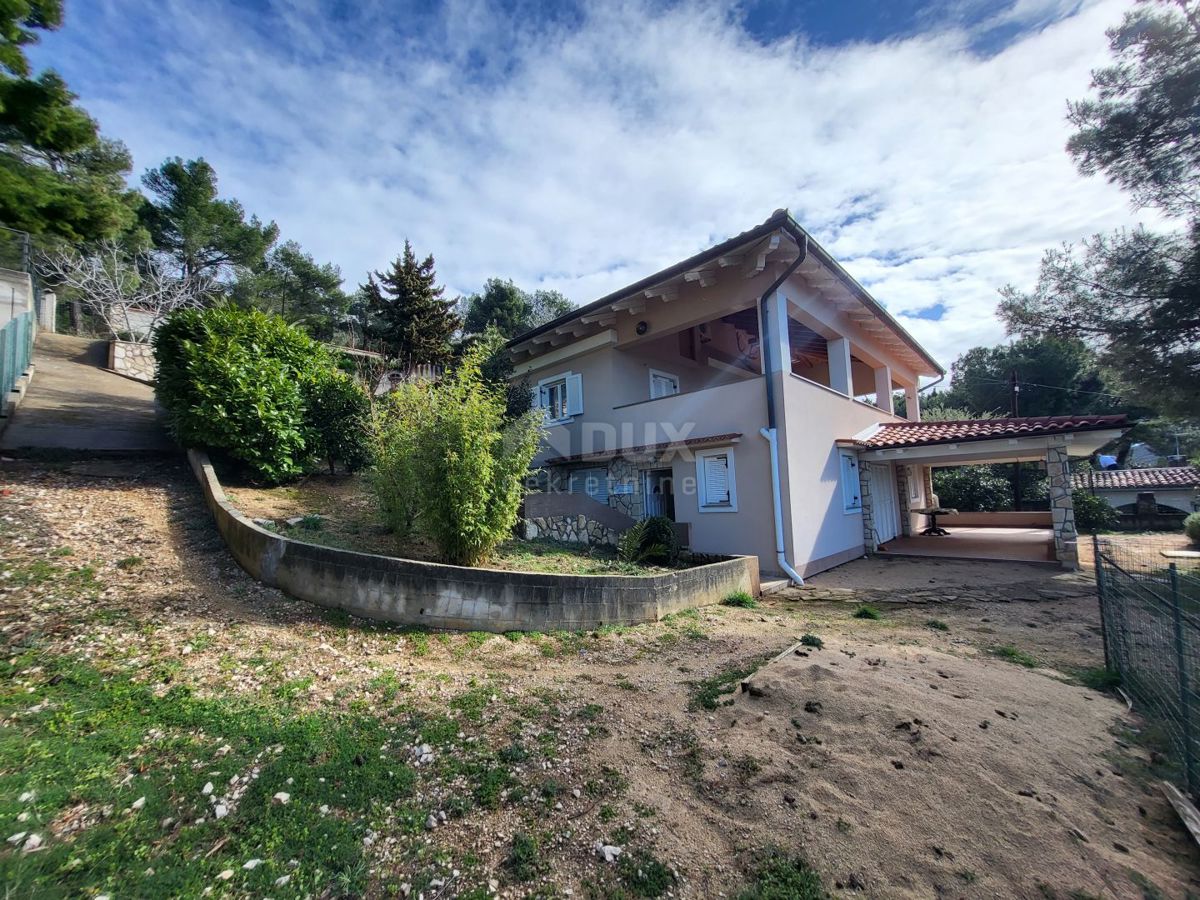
column 904, row 759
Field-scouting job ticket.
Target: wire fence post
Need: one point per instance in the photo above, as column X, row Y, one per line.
column 1185, row 705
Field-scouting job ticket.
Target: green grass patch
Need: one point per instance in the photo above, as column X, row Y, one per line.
column 129, row 562
column 106, row 744
column 781, row 876
column 524, row 861
column 866, row 611
column 937, row 625
column 741, row 600
column 644, row 876
column 1099, row 678
column 1014, row 655
column 708, row 693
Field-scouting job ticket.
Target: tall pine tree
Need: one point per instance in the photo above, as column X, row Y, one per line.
column 407, row 312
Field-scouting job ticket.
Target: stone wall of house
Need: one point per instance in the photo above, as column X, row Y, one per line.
column 902, row 493
column 574, row 529
column 132, row 360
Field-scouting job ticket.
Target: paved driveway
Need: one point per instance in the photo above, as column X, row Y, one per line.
column 74, row 403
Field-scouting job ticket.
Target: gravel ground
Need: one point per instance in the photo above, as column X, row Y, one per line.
column 624, row 751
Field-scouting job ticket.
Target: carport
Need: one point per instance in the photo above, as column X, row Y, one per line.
column 921, row 446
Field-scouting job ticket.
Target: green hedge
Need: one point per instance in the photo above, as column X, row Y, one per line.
column 255, row 387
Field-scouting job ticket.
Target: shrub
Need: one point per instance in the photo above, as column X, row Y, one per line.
column 1191, row 527
column 740, row 599
column 230, row 379
column 650, row 540
column 866, row 611
column 337, row 412
column 811, row 640
column 1092, row 513
column 448, row 462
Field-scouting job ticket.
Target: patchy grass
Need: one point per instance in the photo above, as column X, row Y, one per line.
column 741, row 600
column 130, row 562
column 866, row 611
column 524, row 861
column 937, row 625
column 778, row 875
column 708, row 693
column 1015, row 655
column 120, row 768
column 811, row 640
column 1099, row 678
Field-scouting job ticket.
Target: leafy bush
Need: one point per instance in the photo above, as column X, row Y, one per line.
column 1093, row 513
column 1191, row 527
column 448, row 462
column 261, row 390
column 866, row 611
column 230, row 379
column 650, row 540
column 337, row 413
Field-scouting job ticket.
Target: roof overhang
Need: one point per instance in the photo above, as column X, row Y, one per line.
column 1025, row 448
column 763, row 250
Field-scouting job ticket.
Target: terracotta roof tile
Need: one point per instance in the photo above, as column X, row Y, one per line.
column 1128, row 479
column 916, row 434
column 649, row 449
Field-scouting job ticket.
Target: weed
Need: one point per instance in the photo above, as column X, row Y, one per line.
column 937, row 625
column 843, row 826
column 312, row 522
column 967, row 876
column 746, row 767
column 707, row 694
column 781, row 876
column 420, row 642
column 1013, row 655
column 1099, row 678
column 740, row 599
column 811, row 640
column 607, row 812
column 130, row 562
column 866, row 611
column 524, row 862
column 643, row 875
column 591, row 712
column 62, row 551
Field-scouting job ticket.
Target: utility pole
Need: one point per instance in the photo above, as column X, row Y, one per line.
column 1015, row 410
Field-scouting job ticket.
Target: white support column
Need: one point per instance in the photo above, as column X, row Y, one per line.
column 912, row 403
column 777, row 328
column 841, row 379
column 883, row 389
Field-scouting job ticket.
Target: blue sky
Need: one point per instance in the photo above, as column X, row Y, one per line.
column 922, row 143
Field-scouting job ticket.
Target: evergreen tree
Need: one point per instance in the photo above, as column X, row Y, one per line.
column 407, row 313
column 57, row 175
column 298, row 288
column 203, row 233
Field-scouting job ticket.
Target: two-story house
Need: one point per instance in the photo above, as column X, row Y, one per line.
column 740, row 393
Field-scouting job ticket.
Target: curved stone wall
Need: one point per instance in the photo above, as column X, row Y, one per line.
column 410, row 592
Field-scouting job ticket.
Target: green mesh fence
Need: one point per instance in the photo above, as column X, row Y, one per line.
column 1150, row 615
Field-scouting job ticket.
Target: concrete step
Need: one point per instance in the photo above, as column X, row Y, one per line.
column 773, row 586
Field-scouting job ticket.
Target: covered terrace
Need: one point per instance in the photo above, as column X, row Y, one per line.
column 897, row 447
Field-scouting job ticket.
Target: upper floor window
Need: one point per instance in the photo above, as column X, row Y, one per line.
column 663, row 384
column 561, row 396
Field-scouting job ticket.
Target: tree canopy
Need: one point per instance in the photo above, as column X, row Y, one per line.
column 201, row 232
column 1134, row 296
column 294, row 285
column 407, row 313
column 58, row 176
column 509, row 309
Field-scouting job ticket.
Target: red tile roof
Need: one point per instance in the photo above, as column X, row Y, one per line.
column 649, row 449
column 1136, row 479
column 917, row 434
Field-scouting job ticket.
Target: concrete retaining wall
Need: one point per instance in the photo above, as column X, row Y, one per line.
column 409, row 592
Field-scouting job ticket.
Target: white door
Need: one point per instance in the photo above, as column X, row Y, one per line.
column 884, row 506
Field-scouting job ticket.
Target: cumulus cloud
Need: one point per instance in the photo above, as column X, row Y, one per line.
column 585, row 151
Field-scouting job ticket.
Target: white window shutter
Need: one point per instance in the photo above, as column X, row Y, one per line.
column 574, row 395
column 538, row 400
column 716, row 480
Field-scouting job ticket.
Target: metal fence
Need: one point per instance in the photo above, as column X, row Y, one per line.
column 16, row 348
column 1150, row 618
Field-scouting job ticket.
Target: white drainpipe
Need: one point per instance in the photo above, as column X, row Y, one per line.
column 777, row 495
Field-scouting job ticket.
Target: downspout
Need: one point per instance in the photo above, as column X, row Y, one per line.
column 771, row 433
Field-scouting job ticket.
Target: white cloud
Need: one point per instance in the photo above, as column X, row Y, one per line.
column 584, row 158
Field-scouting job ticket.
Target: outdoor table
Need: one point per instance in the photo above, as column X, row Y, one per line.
column 933, row 512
